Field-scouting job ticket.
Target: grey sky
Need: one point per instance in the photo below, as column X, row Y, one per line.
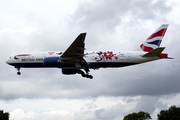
column 32, row 26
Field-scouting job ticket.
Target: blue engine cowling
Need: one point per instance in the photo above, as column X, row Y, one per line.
column 69, row 71
column 51, row 61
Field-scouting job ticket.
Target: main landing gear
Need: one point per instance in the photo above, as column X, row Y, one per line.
column 85, row 75
column 18, row 69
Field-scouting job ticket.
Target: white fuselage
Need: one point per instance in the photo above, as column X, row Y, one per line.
column 95, row 60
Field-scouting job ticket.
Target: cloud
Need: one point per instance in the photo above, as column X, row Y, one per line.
column 26, row 30
column 93, row 109
column 99, row 108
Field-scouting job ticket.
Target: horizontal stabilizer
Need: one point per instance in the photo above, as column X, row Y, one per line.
column 170, row 58
column 154, row 52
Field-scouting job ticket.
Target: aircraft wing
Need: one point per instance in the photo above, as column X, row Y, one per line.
column 75, row 52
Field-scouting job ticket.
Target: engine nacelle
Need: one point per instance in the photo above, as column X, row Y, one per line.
column 69, row 71
column 51, row 61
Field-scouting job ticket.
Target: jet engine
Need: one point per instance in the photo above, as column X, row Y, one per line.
column 51, row 61
column 69, row 71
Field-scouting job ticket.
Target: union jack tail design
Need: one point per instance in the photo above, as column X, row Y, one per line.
column 154, row 40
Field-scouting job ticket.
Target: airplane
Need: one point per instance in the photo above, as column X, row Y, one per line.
column 76, row 61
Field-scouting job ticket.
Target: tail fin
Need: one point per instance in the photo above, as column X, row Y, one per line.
column 154, row 40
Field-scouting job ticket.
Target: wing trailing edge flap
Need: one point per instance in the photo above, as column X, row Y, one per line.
column 75, row 52
column 154, row 52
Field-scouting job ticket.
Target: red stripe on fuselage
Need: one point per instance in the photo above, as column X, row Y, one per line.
column 22, row 55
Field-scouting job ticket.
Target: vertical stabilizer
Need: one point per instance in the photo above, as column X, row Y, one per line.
column 154, row 40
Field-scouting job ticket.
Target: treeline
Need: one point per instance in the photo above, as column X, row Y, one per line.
column 4, row 115
column 173, row 113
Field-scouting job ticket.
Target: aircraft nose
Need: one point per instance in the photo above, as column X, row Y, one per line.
column 7, row 61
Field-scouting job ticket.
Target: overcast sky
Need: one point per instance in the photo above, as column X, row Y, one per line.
column 52, row 25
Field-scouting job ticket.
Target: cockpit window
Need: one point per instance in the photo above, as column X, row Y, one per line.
column 9, row 57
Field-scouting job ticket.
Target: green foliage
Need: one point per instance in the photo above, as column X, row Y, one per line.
column 173, row 113
column 138, row 116
column 4, row 116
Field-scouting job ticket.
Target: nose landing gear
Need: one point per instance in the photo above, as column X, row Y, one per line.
column 19, row 73
column 18, row 69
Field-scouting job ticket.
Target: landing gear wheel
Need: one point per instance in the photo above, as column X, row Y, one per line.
column 90, row 76
column 85, row 75
column 18, row 69
column 19, row 73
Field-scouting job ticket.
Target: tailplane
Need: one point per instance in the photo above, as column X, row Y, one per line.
column 157, row 53
column 154, row 52
column 154, row 40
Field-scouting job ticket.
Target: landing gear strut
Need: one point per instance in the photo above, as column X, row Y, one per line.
column 85, row 75
column 18, row 69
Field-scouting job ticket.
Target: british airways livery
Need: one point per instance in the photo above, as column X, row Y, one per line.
column 74, row 60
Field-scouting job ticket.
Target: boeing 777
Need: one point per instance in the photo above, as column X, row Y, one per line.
column 76, row 61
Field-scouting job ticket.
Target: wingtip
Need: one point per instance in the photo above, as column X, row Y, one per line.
column 83, row 33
